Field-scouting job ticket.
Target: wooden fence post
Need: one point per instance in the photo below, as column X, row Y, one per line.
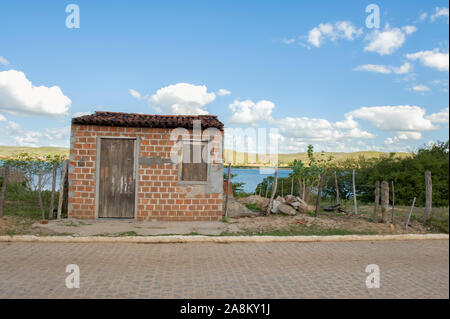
column 410, row 212
column 319, row 194
column 227, row 190
column 377, row 201
column 384, row 200
column 274, row 190
column 337, row 188
column 354, row 194
column 3, row 191
column 61, row 189
column 52, row 196
column 393, row 202
column 428, row 196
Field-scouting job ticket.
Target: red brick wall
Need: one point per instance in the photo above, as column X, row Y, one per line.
column 159, row 195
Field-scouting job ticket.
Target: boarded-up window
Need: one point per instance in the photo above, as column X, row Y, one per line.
column 193, row 166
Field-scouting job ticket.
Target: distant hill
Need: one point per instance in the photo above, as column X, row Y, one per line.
column 283, row 159
column 286, row 159
column 7, row 151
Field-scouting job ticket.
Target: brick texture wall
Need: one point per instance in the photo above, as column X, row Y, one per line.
column 160, row 196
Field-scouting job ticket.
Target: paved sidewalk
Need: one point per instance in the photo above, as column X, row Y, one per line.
column 107, row 226
column 409, row 269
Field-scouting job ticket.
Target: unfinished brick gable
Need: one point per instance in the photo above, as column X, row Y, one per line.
column 159, row 193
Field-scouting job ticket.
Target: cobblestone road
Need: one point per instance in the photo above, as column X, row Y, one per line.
column 409, row 269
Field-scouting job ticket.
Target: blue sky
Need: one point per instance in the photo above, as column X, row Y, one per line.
column 314, row 70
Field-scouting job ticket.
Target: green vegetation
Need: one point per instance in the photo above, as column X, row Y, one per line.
column 253, row 207
column 23, row 202
column 237, row 187
column 407, row 173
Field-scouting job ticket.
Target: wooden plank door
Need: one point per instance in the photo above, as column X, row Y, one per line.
column 117, row 178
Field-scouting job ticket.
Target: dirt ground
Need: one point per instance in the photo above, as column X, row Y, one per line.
column 14, row 225
column 302, row 224
column 325, row 223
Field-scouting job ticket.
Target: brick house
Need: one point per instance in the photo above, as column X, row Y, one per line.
column 146, row 167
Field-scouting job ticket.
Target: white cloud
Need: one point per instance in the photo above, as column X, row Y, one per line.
column 288, row 40
column 182, row 98
column 306, row 130
column 249, row 112
column 223, row 92
column 423, row 16
column 61, row 134
column 348, row 123
column 388, row 41
column 433, row 59
column 78, row 114
column 403, row 69
column 405, row 120
column 135, row 94
column 385, row 69
column 439, row 117
column 18, row 96
column 2, row 118
column 339, row 30
column 51, row 136
column 3, row 61
column 440, row 12
column 420, row 88
column 409, row 29
column 374, row 68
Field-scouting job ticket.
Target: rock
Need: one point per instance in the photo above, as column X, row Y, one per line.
column 275, row 205
column 296, row 205
column 258, row 201
column 281, row 199
column 287, row 209
column 290, row 199
column 303, row 207
column 236, row 209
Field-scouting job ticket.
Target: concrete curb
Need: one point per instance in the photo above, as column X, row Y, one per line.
column 217, row 239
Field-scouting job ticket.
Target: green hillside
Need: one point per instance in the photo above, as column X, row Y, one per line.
column 284, row 159
column 8, row 151
column 239, row 158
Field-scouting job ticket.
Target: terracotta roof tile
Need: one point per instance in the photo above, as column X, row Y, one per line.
column 147, row 120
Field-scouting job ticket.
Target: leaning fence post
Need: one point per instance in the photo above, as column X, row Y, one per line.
column 319, row 194
column 3, row 191
column 410, row 212
column 377, row 201
column 61, row 189
column 354, row 194
column 384, row 200
column 428, row 196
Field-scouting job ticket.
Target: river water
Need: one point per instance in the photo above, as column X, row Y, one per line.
column 252, row 177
